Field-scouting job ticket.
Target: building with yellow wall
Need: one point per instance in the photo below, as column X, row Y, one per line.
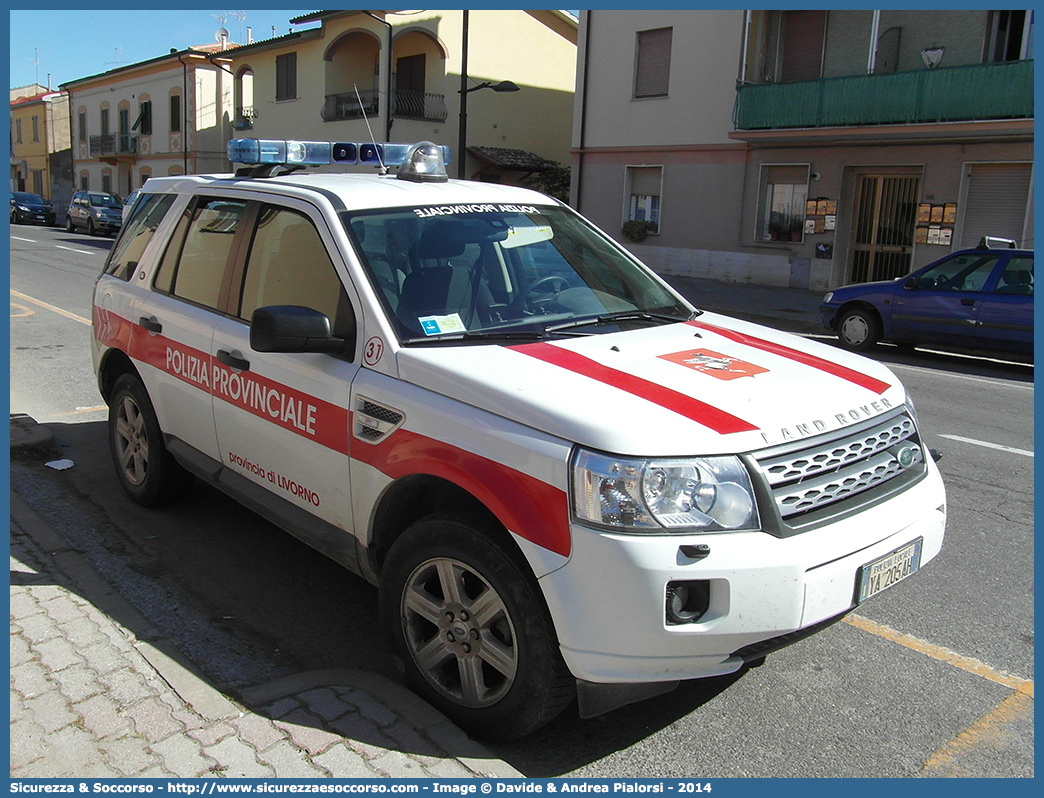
column 332, row 83
column 39, row 137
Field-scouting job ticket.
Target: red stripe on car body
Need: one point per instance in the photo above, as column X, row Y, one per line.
column 529, row 507
column 675, row 401
column 845, row 373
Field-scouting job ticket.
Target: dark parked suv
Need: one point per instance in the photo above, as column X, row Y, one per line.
column 94, row 211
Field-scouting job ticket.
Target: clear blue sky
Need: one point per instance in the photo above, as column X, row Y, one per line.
column 72, row 44
column 76, row 44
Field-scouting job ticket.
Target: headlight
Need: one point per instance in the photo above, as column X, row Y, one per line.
column 23, row 208
column 705, row 494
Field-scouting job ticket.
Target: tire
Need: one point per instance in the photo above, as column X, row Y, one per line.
column 859, row 329
column 69, row 228
column 147, row 471
column 497, row 673
column 90, row 227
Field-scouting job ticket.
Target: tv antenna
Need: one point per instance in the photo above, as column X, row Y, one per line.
column 35, row 61
column 241, row 16
column 221, row 36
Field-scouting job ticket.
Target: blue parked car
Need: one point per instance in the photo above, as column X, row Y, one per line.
column 975, row 299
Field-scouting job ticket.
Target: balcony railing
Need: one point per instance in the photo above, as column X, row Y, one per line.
column 347, row 106
column 104, row 144
column 417, row 105
column 113, row 144
column 987, row 91
column 245, row 116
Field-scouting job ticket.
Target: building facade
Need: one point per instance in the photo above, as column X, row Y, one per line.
column 332, row 83
column 804, row 148
column 40, row 146
column 166, row 116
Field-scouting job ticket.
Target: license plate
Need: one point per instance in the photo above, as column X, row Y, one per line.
column 886, row 571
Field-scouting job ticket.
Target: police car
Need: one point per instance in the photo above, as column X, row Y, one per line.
column 564, row 479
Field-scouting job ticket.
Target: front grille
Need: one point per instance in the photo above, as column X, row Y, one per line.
column 805, row 478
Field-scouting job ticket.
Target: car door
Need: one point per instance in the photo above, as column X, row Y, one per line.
column 282, row 418
column 1006, row 315
column 940, row 304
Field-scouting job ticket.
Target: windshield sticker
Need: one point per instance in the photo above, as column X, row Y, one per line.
column 715, row 364
column 438, row 325
column 451, row 210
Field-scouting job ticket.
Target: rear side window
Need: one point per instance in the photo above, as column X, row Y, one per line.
column 138, row 233
column 193, row 266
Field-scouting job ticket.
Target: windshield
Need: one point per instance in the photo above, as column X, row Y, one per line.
column 483, row 271
column 30, row 198
column 104, row 201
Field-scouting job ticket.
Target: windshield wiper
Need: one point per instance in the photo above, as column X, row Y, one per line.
column 623, row 315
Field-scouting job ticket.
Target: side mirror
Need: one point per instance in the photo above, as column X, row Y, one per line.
column 292, row 328
column 910, row 284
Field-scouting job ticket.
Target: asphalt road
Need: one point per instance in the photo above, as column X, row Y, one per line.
column 931, row 678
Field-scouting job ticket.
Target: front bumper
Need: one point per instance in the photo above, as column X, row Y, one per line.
column 608, row 601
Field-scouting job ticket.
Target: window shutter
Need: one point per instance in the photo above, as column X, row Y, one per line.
column 645, row 180
column 996, row 205
column 803, row 36
column 653, row 68
column 787, row 174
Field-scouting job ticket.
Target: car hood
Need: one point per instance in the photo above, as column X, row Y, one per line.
column 712, row 385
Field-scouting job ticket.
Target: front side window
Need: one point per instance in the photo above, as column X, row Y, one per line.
column 967, row 272
column 288, row 265
column 286, row 76
column 784, row 190
column 193, row 267
column 652, row 71
column 456, row 273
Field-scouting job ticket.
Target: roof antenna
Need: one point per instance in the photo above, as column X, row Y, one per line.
column 376, row 149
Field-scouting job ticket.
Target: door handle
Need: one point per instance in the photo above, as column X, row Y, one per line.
column 150, row 324
column 968, row 302
column 232, row 361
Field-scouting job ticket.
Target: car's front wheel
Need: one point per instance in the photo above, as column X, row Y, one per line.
column 859, row 329
column 471, row 629
column 148, row 472
column 69, row 225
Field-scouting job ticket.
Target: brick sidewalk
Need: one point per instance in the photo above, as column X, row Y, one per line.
column 90, row 699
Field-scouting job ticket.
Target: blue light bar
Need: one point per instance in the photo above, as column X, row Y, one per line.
column 315, row 153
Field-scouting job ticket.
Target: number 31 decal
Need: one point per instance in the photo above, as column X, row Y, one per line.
column 373, row 351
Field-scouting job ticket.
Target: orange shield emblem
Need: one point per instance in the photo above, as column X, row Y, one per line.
column 706, row 361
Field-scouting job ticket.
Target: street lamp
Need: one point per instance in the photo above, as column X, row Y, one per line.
column 465, row 90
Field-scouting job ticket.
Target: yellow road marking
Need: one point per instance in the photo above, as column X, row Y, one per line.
column 968, row 664
column 23, row 311
column 990, row 730
column 57, row 310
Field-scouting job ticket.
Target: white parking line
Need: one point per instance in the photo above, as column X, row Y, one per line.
column 29, row 240
column 81, row 251
column 1006, row 383
column 988, row 445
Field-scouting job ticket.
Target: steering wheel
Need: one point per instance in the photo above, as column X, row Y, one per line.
column 543, row 284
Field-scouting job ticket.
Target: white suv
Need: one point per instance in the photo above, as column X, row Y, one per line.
column 564, row 479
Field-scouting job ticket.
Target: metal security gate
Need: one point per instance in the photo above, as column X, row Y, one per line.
column 886, row 215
